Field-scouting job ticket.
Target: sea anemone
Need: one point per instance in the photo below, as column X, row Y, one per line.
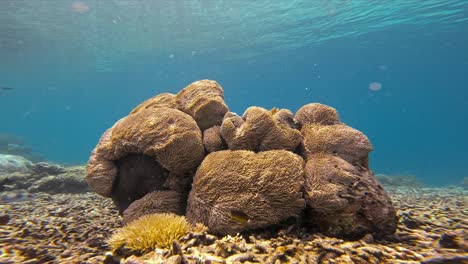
column 149, row 232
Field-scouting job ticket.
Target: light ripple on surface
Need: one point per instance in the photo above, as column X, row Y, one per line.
column 113, row 30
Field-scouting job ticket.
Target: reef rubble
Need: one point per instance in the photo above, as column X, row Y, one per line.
column 73, row 228
column 44, row 177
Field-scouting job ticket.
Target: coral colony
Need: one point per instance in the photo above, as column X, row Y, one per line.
column 186, row 154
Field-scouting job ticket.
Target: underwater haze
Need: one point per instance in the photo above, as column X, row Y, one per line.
column 395, row 70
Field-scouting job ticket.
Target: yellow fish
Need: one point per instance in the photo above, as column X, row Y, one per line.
column 240, row 217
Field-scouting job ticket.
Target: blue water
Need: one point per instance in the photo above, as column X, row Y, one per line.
column 78, row 66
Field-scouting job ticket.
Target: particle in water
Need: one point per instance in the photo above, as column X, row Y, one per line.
column 375, row 86
column 80, row 7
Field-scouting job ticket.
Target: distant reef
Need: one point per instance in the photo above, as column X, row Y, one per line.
column 20, row 174
column 14, row 145
column 186, row 153
column 399, row 181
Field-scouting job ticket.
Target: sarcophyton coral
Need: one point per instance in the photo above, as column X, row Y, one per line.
column 149, row 232
column 187, row 154
column 260, row 130
column 237, row 190
column 144, row 152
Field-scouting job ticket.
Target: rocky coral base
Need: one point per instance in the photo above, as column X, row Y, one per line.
column 45, row 177
column 72, row 228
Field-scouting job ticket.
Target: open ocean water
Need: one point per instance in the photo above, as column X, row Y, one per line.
column 395, row 70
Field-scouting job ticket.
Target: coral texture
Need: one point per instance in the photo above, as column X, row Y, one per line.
column 260, row 169
column 204, row 101
column 341, row 140
column 212, row 139
column 317, row 114
column 343, row 196
column 261, row 130
column 138, row 153
column 238, row 190
column 153, row 203
column 167, row 100
column 346, row 200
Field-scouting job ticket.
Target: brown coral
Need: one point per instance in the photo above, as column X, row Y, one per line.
column 346, row 200
column 204, row 101
column 147, row 160
column 238, row 190
column 139, row 153
column 261, row 130
column 212, row 140
column 341, row 140
column 161, row 100
column 153, row 203
column 316, row 113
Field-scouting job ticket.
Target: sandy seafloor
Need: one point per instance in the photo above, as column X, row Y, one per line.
column 72, row 228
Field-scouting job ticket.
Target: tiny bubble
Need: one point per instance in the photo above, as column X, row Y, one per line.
column 375, row 86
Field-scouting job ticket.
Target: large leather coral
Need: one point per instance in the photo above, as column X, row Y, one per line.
column 260, row 130
column 204, row 101
column 238, row 190
column 169, row 139
column 346, row 200
column 186, row 153
column 161, row 100
column 342, row 194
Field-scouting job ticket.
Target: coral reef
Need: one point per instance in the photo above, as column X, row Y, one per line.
column 47, row 168
column 238, row 190
column 186, row 153
column 13, row 163
column 57, row 180
column 398, row 181
column 14, row 145
column 69, row 180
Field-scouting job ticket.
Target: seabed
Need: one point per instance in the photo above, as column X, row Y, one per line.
column 73, row 228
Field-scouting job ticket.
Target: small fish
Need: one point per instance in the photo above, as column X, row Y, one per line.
column 240, row 217
column 14, row 197
column 4, row 88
